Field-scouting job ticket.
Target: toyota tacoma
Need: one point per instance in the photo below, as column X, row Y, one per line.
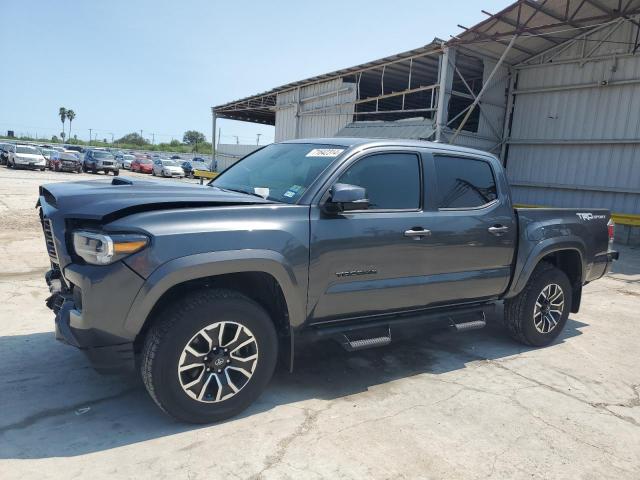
column 203, row 288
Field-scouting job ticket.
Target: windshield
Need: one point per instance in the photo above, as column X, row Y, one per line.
column 27, row 150
column 144, row 161
column 169, row 163
column 128, row 157
column 99, row 154
column 199, row 165
column 280, row 172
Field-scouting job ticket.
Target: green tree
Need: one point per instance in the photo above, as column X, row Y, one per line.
column 62, row 113
column 193, row 137
column 70, row 116
column 133, row 139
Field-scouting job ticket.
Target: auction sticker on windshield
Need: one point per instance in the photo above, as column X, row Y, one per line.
column 325, row 152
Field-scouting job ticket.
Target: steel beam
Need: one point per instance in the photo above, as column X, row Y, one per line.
column 445, row 82
column 484, row 88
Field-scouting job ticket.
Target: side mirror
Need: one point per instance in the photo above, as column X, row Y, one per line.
column 345, row 197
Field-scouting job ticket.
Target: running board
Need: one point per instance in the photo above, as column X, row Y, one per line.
column 472, row 325
column 351, row 344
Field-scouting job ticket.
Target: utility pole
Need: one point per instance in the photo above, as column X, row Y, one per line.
column 111, row 137
column 258, row 138
column 237, row 139
column 141, row 134
column 90, row 136
column 153, row 138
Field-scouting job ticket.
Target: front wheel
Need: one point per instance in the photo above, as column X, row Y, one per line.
column 209, row 356
column 537, row 315
column 116, row 173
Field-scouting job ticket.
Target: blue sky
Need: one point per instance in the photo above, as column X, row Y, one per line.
column 159, row 66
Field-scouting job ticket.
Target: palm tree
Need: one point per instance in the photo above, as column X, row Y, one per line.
column 70, row 115
column 63, row 116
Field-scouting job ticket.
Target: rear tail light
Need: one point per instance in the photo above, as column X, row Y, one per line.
column 611, row 229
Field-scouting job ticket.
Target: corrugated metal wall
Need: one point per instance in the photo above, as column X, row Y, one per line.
column 314, row 111
column 573, row 147
column 229, row 153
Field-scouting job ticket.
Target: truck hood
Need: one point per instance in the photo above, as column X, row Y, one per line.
column 97, row 199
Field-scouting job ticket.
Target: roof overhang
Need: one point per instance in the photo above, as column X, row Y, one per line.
column 260, row 108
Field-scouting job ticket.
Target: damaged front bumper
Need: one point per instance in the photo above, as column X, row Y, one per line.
column 106, row 352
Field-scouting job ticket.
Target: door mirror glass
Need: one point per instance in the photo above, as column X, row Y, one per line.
column 345, row 197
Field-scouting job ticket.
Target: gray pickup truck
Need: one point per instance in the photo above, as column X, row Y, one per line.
column 203, row 288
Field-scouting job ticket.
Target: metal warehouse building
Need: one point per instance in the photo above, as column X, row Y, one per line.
column 552, row 87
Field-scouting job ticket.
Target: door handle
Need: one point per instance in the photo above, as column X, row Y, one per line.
column 498, row 230
column 417, row 234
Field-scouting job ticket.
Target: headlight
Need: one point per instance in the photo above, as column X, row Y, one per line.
column 102, row 249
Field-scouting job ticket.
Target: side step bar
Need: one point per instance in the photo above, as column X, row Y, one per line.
column 352, row 345
column 376, row 332
column 472, row 325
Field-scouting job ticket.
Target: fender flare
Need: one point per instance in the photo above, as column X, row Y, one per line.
column 193, row 267
column 524, row 267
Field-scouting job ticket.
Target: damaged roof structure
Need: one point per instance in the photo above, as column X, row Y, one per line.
column 546, row 83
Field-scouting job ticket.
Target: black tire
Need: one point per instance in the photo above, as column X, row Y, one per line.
column 153, row 172
column 177, row 325
column 116, row 173
column 519, row 310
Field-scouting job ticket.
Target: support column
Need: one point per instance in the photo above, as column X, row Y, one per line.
column 445, row 84
column 213, row 138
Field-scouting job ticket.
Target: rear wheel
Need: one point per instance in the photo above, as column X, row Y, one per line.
column 116, row 173
column 537, row 315
column 209, row 356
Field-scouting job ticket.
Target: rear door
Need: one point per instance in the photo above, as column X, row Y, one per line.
column 473, row 229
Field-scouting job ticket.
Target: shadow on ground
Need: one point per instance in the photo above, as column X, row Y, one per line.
column 55, row 405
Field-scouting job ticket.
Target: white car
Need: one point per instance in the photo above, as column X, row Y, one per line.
column 167, row 168
column 26, row 156
column 126, row 161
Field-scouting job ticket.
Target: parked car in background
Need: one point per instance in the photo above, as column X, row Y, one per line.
column 100, row 160
column 4, row 152
column 48, row 153
column 142, row 165
column 175, row 157
column 66, row 161
column 26, row 156
column 76, row 148
column 167, row 168
column 191, row 165
column 127, row 159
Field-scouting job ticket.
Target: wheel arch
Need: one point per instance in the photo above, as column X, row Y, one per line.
column 564, row 253
column 263, row 276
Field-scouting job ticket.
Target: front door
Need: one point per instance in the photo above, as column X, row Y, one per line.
column 363, row 262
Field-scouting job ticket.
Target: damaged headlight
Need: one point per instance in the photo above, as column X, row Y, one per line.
column 102, row 249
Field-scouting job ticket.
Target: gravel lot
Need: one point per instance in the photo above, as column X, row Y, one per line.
column 445, row 405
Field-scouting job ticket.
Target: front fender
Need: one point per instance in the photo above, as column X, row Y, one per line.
column 209, row 264
column 529, row 258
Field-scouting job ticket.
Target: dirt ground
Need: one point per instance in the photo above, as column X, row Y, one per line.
column 445, row 405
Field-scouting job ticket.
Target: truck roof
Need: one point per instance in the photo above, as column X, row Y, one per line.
column 374, row 142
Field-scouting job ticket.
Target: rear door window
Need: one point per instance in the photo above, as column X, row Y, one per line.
column 464, row 182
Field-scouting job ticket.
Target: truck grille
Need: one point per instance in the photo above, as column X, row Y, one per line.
column 48, row 238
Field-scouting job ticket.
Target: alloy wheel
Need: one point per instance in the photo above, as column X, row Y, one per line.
column 548, row 309
column 218, row 362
